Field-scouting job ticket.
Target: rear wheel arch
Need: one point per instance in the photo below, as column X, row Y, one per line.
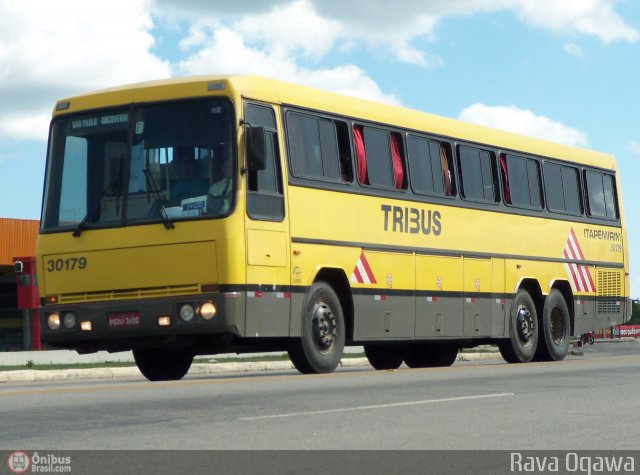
column 533, row 287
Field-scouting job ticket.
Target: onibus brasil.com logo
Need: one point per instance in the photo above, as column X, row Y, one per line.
column 20, row 462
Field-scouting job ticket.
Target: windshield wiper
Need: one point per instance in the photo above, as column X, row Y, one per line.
column 152, row 188
column 113, row 190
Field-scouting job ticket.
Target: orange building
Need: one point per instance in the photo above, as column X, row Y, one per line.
column 17, row 239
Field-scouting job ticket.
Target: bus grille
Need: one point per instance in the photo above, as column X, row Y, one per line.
column 126, row 294
column 609, row 291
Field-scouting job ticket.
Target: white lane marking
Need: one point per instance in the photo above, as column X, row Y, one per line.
column 377, row 406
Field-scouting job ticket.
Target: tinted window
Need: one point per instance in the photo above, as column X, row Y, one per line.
column 595, row 192
column 610, row 197
column 562, row 188
column 571, row 188
column 553, row 187
column 524, row 181
column 535, row 183
column 147, row 163
column 313, row 146
column 264, row 199
column 600, row 195
column 478, row 174
column 378, row 157
column 430, row 167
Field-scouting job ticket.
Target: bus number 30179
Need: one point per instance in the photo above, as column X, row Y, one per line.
column 71, row 263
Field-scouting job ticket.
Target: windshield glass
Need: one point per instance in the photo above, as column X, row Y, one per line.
column 157, row 163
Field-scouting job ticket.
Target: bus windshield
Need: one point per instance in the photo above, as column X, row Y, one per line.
column 141, row 164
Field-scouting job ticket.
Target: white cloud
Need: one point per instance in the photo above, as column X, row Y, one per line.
column 74, row 45
column 25, row 125
column 589, row 17
column 298, row 29
column 376, row 22
column 574, row 50
column 514, row 119
column 226, row 51
column 293, row 27
column 635, row 147
column 69, row 46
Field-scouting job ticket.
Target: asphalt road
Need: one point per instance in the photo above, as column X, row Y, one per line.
column 584, row 402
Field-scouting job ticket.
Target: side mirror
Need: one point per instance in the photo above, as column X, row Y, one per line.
column 256, row 148
column 18, row 267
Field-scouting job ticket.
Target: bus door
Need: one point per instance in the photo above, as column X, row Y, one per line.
column 266, row 234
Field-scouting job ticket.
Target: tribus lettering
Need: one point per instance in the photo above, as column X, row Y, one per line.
column 411, row 220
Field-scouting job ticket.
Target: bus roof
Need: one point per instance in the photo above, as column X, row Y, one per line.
column 281, row 92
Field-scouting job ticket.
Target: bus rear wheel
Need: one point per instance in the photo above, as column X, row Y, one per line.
column 430, row 356
column 384, row 356
column 163, row 365
column 523, row 330
column 320, row 347
column 555, row 327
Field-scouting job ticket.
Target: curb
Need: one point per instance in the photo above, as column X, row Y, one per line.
column 34, row 375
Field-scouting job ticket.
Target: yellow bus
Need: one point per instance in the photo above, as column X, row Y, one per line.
column 242, row 214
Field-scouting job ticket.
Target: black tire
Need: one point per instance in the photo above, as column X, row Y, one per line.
column 163, row 365
column 430, row 356
column 591, row 339
column 384, row 356
column 320, row 347
column 523, row 330
column 555, row 328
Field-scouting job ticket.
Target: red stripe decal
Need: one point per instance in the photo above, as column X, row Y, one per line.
column 367, row 268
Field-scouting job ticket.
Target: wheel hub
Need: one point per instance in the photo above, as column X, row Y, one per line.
column 324, row 325
column 556, row 324
column 525, row 324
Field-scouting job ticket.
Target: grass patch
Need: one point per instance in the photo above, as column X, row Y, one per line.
column 45, row 367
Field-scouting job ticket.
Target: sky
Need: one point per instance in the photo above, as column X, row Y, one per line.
column 564, row 70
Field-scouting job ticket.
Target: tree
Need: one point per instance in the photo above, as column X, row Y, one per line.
column 635, row 312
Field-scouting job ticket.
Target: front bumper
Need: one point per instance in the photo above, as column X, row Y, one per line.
column 130, row 320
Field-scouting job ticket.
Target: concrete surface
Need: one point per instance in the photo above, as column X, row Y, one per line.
column 217, row 364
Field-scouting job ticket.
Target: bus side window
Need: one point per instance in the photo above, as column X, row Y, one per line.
column 562, row 188
column 505, row 178
column 478, row 174
column 380, row 157
column 397, row 158
column 344, row 151
column 265, row 200
column 318, row 147
column 361, row 154
column 600, row 195
column 521, row 179
column 447, row 167
column 430, row 164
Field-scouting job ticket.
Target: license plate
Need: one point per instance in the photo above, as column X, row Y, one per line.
column 123, row 319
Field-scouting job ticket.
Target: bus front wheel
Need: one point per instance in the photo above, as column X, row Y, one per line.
column 523, row 330
column 162, row 365
column 430, row 356
column 320, row 347
column 555, row 327
column 383, row 357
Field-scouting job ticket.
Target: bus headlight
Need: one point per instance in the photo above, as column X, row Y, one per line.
column 53, row 321
column 208, row 310
column 187, row 312
column 69, row 320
